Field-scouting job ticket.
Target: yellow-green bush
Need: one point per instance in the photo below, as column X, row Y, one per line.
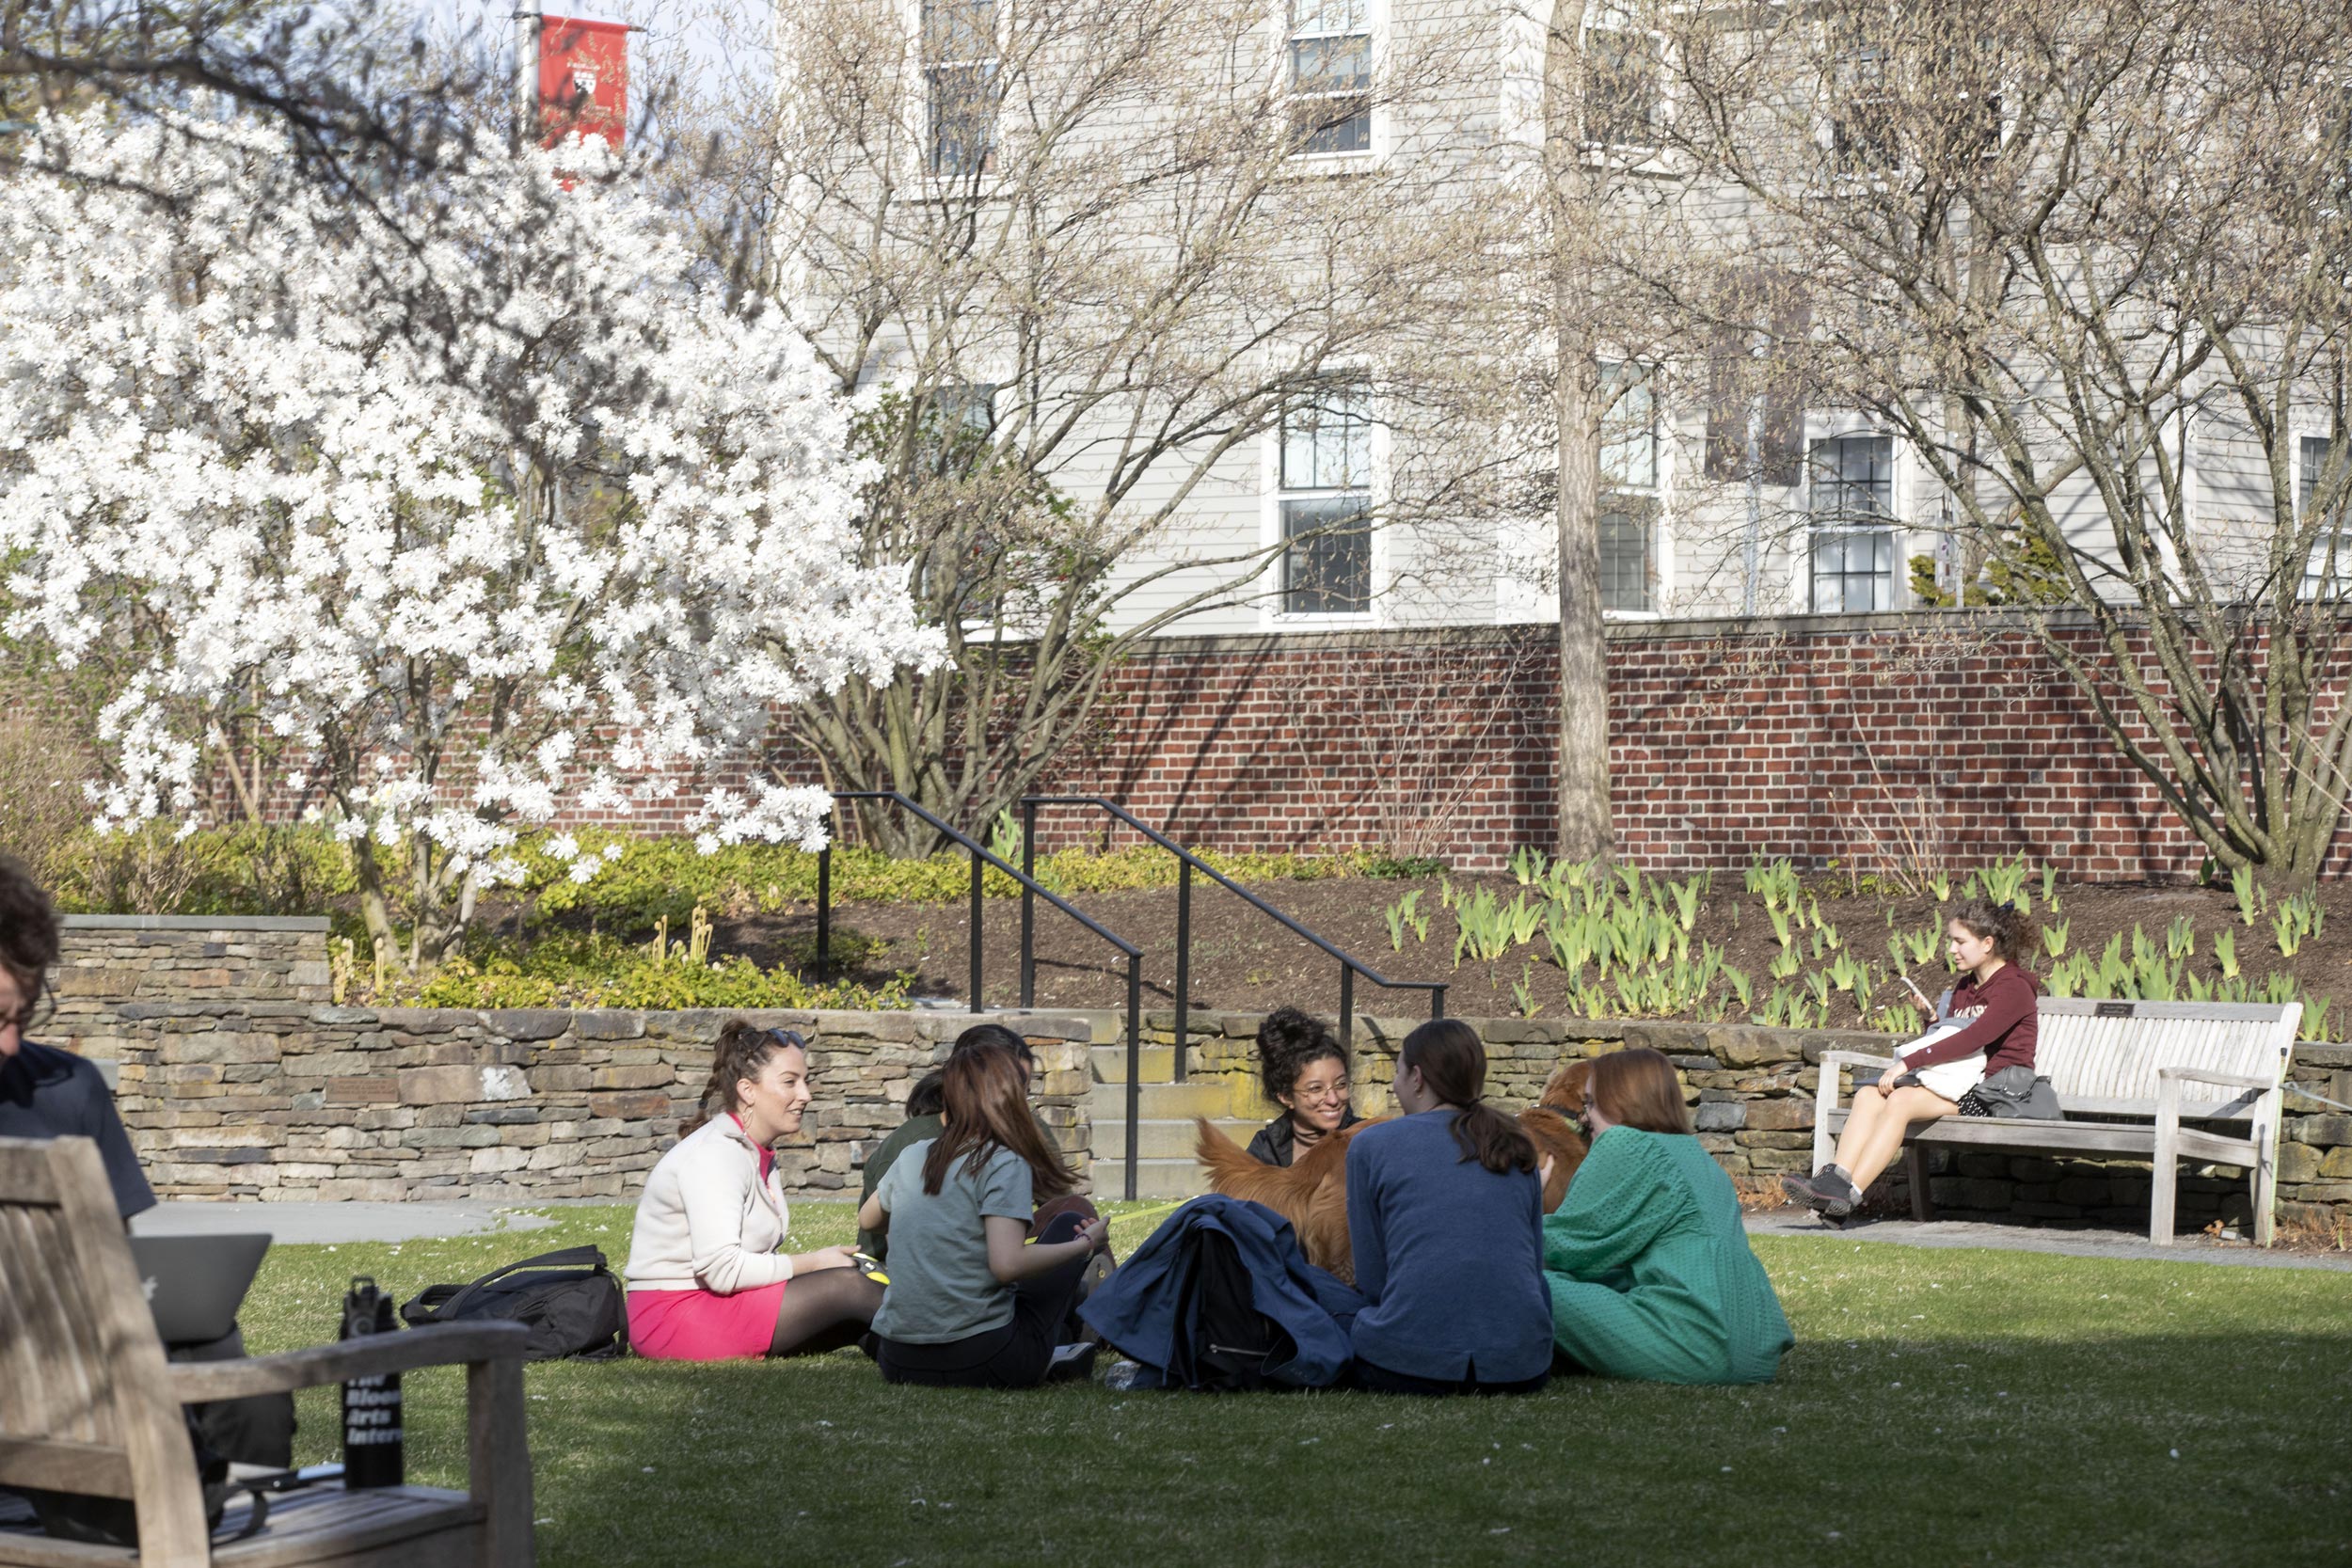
column 581, row 971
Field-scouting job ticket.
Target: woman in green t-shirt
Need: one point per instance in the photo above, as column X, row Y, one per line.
column 1649, row 1264
column 972, row 1302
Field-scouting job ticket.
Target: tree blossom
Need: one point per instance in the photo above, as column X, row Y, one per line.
column 479, row 498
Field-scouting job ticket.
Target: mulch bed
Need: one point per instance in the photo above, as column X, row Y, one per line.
column 1244, row 962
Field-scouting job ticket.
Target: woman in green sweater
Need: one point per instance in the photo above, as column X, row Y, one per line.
column 1649, row 1268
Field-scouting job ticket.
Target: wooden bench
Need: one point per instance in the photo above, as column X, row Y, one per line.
column 2147, row 1079
column 88, row 1405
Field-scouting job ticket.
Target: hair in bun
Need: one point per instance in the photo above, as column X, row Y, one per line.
column 1289, row 1042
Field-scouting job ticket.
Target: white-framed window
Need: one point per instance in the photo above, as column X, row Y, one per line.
column 1849, row 505
column 1330, row 75
column 1322, row 502
column 959, row 86
column 1628, row 513
column 1623, row 86
column 2327, row 572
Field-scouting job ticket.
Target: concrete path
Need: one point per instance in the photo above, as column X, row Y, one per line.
column 2016, row 1238
column 334, row 1222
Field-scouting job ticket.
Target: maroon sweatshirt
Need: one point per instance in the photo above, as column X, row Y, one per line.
column 2003, row 1007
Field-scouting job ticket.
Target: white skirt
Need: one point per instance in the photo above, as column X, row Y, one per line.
column 1949, row 1079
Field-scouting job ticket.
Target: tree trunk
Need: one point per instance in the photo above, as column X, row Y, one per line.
column 1584, row 831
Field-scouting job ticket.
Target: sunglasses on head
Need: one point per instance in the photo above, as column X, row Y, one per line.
column 788, row 1037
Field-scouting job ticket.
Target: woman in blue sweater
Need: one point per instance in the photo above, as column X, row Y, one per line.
column 1445, row 1213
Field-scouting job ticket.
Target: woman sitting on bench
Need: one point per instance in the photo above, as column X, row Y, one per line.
column 706, row 1282
column 1649, row 1264
column 1302, row 1067
column 972, row 1301
column 1983, row 1068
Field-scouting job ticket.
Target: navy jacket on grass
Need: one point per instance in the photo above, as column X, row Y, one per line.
column 1141, row 1309
column 1449, row 1257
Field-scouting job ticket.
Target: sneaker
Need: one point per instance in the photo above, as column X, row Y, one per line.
column 1124, row 1376
column 1070, row 1363
column 1827, row 1194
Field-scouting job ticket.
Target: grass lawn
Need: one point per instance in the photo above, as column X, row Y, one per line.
column 1940, row 1407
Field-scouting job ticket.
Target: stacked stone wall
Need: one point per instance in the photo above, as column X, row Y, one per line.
column 238, row 1078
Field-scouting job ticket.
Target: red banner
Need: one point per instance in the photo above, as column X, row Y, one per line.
column 583, row 79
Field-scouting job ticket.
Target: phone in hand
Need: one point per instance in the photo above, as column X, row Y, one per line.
column 1921, row 994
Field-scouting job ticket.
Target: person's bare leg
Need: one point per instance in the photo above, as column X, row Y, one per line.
column 1861, row 1122
column 1903, row 1109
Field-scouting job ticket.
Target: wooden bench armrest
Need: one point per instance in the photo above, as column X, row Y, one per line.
column 369, row 1355
column 1855, row 1058
column 2226, row 1079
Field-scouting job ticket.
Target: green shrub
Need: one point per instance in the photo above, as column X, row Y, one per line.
column 600, row 972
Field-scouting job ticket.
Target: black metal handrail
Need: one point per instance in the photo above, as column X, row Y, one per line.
column 1188, row 863
column 981, row 858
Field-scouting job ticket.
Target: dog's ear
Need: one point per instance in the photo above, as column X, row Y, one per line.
column 1565, row 1093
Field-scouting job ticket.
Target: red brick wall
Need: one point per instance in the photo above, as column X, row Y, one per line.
column 1872, row 742
column 1942, row 740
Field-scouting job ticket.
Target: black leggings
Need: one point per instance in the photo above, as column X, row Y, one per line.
column 1379, row 1380
column 1013, row 1357
column 824, row 1311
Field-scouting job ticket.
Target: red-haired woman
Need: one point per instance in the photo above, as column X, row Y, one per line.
column 1648, row 1264
column 972, row 1302
column 706, row 1281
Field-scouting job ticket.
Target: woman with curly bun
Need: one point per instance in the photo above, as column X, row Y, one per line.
column 708, row 1277
column 1303, row 1068
column 1977, row 1060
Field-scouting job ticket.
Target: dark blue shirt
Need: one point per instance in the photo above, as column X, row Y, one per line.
column 48, row 1093
column 1448, row 1256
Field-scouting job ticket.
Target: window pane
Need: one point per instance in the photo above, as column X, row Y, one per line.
column 2328, row 572
column 1330, row 16
column 1330, row 72
column 1620, row 87
column 2314, row 463
column 1329, row 574
column 1332, row 125
column 1854, row 570
column 1625, row 571
column 1629, row 447
column 958, row 31
column 964, row 117
column 1327, row 444
column 1853, row 479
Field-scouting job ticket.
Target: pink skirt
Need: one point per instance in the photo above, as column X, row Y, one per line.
column 703, row 1325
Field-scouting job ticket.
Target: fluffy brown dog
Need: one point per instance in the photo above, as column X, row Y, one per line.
column 1312, row 1194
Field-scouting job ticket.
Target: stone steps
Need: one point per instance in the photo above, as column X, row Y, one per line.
column 1165, row 1111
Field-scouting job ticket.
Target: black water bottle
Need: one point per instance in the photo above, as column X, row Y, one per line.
column 372, row 1439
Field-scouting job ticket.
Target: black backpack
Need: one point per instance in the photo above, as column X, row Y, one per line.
column 1224, row 1343
column 568, row 1300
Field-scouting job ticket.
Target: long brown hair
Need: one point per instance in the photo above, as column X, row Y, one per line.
column 2012, row 931
column 742, row 1050
column 987, row 1109
column 1637, row 1087
column 1452, row 1063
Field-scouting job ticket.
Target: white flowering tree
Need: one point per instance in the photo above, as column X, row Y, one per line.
column 475, row 502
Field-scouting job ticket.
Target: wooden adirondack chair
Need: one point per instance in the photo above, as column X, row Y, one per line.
column 88, row 1405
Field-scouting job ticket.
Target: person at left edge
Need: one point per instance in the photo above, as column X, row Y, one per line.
column 49, row 1093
